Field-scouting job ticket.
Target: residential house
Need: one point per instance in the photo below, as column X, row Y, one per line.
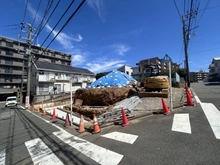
column 214, row 69
column 48, row 79
column 126, row 69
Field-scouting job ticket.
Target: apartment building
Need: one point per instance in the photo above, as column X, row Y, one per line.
column 137, row 71
column 14, row 62
column 198, row 76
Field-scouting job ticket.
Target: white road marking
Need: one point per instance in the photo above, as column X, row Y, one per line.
column 213, row 116
column 95, row 152
column 197, row 99
column 41, row 154
column 2, row 157
column 123, row 137
column 181, row 123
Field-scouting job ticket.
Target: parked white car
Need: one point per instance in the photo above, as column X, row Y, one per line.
column 11, row 101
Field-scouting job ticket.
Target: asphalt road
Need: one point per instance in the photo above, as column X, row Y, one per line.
column 208, row 92
column 151, row 140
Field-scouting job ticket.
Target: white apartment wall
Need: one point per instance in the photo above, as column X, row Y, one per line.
column 126, row 69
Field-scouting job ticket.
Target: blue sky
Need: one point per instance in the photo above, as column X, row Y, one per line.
column 106, row 34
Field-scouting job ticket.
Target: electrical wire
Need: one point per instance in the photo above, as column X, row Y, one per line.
column 49, row 4
column 206, row 6
column 58, row 22
column 9, row 29
column 10, row 25
column 25, row 10
column 39, row 31
column 36, row 12
column 73, row 14
column 177, row 9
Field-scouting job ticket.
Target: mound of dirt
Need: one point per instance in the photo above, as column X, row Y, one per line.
column 102, row 96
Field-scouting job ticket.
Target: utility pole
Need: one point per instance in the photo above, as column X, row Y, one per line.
column 29, row 56
column 187, row 23
column 186, row 41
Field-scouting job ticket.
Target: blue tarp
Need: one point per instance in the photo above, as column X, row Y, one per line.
column 114, row 78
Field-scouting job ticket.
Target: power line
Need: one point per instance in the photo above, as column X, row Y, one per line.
column 83, row 1
column 9, row 29
column 58, row 22
column 206, row 6
column 49, row 4
column 40, row 29
column 36, row 12
column 177, row 8
column 25, row 10
column 10, row 25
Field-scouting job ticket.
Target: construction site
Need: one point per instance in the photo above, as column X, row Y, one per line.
column 101, row 105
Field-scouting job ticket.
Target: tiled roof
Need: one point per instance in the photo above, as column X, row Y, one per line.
column 63, row 68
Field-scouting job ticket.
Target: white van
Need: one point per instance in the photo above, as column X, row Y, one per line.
column 11, row 101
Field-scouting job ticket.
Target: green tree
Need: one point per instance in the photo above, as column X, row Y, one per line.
column 182, row 72
column 98, row 75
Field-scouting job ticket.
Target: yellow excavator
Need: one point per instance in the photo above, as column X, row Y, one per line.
column 151, row 80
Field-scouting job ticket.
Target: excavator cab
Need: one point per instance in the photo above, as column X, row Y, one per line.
column 154, row 81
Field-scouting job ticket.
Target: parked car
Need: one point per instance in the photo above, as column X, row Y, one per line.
column 11, row 101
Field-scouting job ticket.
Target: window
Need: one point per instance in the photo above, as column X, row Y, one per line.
column 8, row 52
column 8, row 70
column 9, row 62
column 53, row 60
column 9, row 44
column 63, row 62
column 43, row 88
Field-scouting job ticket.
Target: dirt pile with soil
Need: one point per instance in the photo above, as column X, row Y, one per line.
column 98, row 100
column 102, row 96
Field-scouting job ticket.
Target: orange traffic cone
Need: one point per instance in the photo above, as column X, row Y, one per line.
column 81, row 124
column 189, row 100
column 124, row 118
column 67, row 121
column 44, row 113
column 54, row 115
column 190, row 93
column 166, row 111
column 96, row 128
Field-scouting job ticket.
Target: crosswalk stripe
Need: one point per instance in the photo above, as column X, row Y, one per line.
column 213, row 116
column 181, row 123
column 123, row 137
column 2, row 157
column 95, row 152
column 41, row 154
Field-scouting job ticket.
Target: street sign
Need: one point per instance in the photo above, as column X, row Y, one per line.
column 166, row 59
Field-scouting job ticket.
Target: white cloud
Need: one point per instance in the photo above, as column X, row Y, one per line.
column 77, row 59
column 120, row 48
column 97, row 5
column 102, row 65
